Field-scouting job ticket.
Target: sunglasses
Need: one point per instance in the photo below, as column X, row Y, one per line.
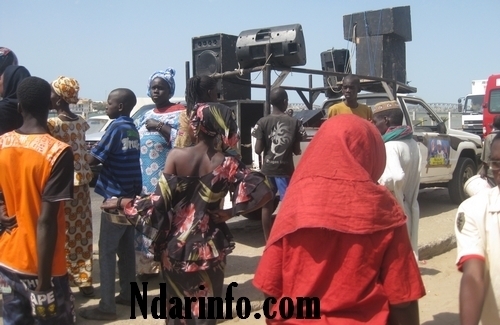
column 494, row 165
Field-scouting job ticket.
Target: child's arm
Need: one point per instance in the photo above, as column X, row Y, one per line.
column 100, row 152
column 92, row 161
column 258, row 133
column 259, row 146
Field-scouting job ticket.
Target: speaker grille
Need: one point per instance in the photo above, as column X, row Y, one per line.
column 207, row 63
column 216, row 54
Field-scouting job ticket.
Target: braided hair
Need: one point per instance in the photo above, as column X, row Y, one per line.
column 197, row 90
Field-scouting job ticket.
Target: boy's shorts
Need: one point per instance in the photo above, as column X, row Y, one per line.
column 17, row 303
column 279, row 184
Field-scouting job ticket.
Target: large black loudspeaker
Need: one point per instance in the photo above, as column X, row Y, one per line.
column 247, row 112
column 381, row 56
column 216, row 54
column 390, row 21
column 288, row 47
column 334, row 61
column 380, row 41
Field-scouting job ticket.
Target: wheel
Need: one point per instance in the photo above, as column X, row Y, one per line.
column 257, row 214
column 465, row 169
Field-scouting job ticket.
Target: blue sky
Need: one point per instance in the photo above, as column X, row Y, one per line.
column 106, row 44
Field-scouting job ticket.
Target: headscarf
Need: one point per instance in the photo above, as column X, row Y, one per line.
column 67, row 88
column 335, row 183
column 7, row 57
column 400, row 132
column 216, row 120
column 168, row 76
column 10, row 119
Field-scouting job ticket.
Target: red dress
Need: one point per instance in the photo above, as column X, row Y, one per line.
column 340, row 236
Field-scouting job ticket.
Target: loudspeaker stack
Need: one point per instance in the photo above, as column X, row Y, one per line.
column 216, row 54
column 334, row 61
column 380, row 38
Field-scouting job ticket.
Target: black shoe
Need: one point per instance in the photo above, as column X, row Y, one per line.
column 96, row 314
column 87, row 291
column 122, row 301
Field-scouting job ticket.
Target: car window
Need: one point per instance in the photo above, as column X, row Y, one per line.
column 96, row 125
column 422, row 116
column 494, row 101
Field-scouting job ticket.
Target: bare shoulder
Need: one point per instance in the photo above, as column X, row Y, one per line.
column 180, row 152
column 219, row 158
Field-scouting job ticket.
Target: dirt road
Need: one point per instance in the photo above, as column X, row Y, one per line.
column 439, row 306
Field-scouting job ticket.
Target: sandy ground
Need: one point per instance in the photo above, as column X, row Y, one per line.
column 439, row 306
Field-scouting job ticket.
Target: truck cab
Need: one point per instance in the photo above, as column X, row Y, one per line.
column 472, row 114
column 491, row 103
column 472, row 108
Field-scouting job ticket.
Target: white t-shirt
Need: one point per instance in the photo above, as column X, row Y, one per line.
column 477, row 229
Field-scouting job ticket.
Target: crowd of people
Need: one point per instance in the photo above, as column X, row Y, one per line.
column 346, row 231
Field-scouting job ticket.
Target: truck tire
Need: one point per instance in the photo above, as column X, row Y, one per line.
column 465, row 169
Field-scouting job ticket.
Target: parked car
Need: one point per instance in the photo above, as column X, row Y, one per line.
column 143, row 105
column 97, row 123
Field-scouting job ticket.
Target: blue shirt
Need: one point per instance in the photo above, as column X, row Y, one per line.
column 118, row 151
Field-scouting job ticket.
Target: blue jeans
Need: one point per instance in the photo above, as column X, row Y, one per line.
column 115, row 239
column 17, row 303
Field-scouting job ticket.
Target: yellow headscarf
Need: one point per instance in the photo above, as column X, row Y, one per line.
column 67, row 88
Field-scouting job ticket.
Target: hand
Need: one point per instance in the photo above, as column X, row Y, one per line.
column 110, row 204
column 219, row 215
column 151, row 124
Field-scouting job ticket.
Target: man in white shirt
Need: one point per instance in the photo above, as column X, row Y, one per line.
column 402, row 171
column 477, row 229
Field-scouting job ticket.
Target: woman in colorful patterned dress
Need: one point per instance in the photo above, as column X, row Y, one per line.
column 188, row 230
column 158, row 130
column 70, row 128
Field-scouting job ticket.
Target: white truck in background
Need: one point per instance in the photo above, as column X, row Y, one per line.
column 472, row 108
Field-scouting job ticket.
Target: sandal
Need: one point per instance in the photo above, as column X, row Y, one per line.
column 87, row 291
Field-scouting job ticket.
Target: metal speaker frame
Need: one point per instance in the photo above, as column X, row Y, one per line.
column 287, row 46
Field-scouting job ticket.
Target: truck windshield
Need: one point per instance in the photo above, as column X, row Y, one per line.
column 474, row 104
column 495, row 101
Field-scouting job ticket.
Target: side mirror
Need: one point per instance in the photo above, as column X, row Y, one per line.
column 485, row 105
column 460, row 106
column 441, row 128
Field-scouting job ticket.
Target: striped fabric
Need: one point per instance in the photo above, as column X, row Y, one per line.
column 118, row 151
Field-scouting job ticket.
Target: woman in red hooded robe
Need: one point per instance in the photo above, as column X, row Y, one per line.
column 341, row 237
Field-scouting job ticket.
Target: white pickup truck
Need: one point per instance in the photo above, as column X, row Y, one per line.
column 449, row 157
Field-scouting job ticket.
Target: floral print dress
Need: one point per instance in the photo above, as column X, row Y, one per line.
column 154, row 147
column 78, row 211
column 154, row 151
column 192, row 249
